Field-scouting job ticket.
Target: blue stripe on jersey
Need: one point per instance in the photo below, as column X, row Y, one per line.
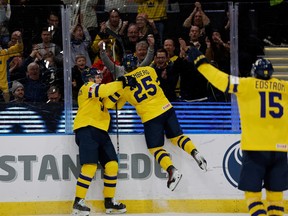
column 112, row 99
column 89, row 94
column 117, row 94
column 97, row 91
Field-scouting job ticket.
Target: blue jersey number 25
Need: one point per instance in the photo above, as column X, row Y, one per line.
column 149, row 89
column 277, row 111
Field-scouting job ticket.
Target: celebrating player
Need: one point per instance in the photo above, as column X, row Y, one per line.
column 263, row 105
column 91, row 126
column 158, row 117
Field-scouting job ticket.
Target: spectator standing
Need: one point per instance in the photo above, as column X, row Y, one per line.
column 195, row 38
column 137, row 59
column 167, row 76
column 147, row 27
column 169, row 46
column 5, row 13
column 35, row 87
column 77, row 71
column 198, row 18
column 131, row 38
column 46, row 46
column 91, row 134
column 5, row 54
column 89, row 17
column 55, row 29
column 218, row 51
column 264, row 161
column 193, row 86
column 80, row 43
column 109, row 31
column 156, row 11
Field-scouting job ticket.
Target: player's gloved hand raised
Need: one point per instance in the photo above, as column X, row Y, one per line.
column 128, row 81
column 194, row 55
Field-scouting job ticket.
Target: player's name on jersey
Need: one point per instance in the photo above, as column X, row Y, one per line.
column 265, row 84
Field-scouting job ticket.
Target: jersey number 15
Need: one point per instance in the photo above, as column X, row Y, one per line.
column 274, row 108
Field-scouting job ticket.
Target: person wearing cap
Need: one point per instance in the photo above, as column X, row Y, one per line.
column 17, row 91
column 53, row 95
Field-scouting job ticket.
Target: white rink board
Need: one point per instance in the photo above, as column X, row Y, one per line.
column 31, row 168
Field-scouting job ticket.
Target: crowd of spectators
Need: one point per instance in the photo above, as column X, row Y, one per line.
column 37, row 63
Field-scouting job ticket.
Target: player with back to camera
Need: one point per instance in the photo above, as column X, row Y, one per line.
column 263, row 105
column 91, row 135
column 157, row 115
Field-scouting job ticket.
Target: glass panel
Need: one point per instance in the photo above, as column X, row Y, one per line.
column 40, row 23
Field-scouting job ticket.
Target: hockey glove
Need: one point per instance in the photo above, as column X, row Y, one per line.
column 128, row 81
column 194, row 55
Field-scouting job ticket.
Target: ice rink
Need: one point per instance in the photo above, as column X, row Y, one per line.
column 164, row 214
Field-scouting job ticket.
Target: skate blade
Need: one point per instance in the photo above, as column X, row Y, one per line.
column 174, row 184
column 76, row 212
column 116, row 211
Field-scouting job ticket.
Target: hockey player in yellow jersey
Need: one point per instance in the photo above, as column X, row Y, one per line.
column 263, row 105
column 91, row 135
column 158, row 117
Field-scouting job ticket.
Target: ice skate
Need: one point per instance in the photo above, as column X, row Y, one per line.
column 202, row 163
column 79, row 208
column 114, row 207
column 173, row 178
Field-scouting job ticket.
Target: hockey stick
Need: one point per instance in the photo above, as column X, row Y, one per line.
column 117, row 134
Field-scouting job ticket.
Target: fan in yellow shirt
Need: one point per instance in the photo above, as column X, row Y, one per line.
column 263, row 105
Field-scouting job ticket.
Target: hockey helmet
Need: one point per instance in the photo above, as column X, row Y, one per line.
column 129, row 62
column 89, row 73
column 262, row 69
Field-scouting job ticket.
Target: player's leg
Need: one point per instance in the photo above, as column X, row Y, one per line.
column 251, row 179
column 154, row 135
column 275, row 182
column 164, row 160
column 275, row 203
column 255, row 204
column 176, row 136
column 108, row 159
column 88, row 153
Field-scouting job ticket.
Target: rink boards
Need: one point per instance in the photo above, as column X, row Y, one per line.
column 38, row 176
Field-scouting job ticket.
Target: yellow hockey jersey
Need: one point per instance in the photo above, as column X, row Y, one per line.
column 92, row 110
column 148, row 97
column 155, row 9
column 263, row 108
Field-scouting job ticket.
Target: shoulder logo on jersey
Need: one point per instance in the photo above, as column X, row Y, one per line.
column 231, row 164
